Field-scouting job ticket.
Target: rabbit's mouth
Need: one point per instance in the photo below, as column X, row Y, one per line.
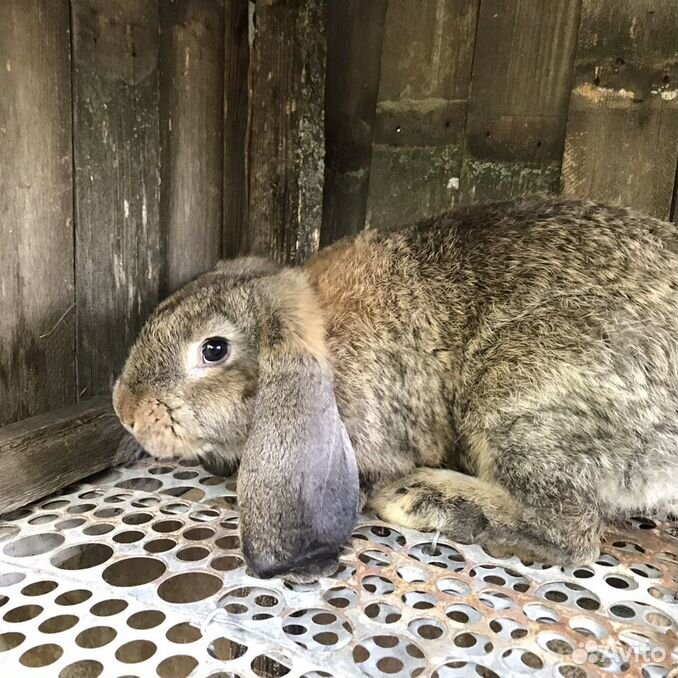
column 163, row 431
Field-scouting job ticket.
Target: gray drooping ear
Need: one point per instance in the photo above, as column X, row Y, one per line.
column 298, row 479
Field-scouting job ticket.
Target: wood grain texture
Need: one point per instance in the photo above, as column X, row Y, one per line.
column 674, row 204
column 117, row 180
column 191, row 100
column 419, row 128
column 37, row 326
column 286, row 142
column 520, row 89
column 622, row 133
column 355, row 31
column 236, row 112
column 43, row 454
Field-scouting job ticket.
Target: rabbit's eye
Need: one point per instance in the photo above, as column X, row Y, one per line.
column 214, row 350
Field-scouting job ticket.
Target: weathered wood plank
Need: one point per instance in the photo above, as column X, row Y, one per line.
column 419, row 128
column 354, row 43
column 286, row 129
column 117, row 175
column 517, row 112
column 37, row 326
column 622, row 133
column 191, row 102
column 236, row 111
column 674, row 204
column 42, row 454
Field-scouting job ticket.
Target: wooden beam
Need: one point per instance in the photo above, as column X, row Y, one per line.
column 354, row 43
column 622, row 132
column 236, row 111
column 191, row 100
column 117, row 180
column 517, row 113
column 37, row 314
column 286, row 130
column 421, row 111
column 40, row 455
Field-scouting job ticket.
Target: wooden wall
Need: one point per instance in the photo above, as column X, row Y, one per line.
column 141, row 140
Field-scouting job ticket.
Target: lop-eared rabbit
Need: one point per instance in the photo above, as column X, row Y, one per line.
column 504, row 373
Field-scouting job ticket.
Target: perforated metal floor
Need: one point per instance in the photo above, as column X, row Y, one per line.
column 121, row 577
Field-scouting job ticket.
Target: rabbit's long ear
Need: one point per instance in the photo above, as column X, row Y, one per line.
column 298, row 479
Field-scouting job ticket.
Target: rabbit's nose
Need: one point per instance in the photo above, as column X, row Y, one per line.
column 124, row 404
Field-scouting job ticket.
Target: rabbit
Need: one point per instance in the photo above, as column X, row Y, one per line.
column 504, row 373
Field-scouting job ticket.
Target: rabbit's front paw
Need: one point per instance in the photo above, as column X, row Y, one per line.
column 419, row 502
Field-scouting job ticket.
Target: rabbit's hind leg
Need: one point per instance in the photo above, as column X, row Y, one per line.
column 471, row 510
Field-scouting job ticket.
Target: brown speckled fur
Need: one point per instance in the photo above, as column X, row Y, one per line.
column 506, row 372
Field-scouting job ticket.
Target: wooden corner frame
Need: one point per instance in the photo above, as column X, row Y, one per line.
column 43, row 454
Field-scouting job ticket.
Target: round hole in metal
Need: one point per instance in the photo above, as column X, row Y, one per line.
column 41, row 655
column 108, row 512
column 97, row 529
column 230, row 541
column 167, row 525
column 96, row 636
column 43, row 518
column 81, row 508
column 193, row 553
column 22, row 613
column 189, row 587
column 199, row 533
column 160, row 470
column 226, row 649
column 267, row 666
column 62, row 622
column 137, row 518
column 8, row 641
column 86, row 668
column 159, row 545
column 135, row 651
column 382, row 612
column 74, row 597
column 81, row 556
column 69, row 524
column 133, row 571
column 429, row 629
column 186, row 492
column 146, row 619
column 39, row 588
column 128, row 536
column 11, row 578
column 177, row 666
column 107, row 608
column 227, row 563
column 390, row 665
column 33, row 545
column 8, row 532
column 185, row 475
column 55, row 504
column 143, row 484
column 183, row 633
column 340, row 596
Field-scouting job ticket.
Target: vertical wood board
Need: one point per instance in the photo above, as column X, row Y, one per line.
column 236, row 111
column 355, row 32
column 622, row 134
column 191, row 100
column 117, row 180
column 517, row 112
column 423, row 91
column 37, row 316
column 286, row 140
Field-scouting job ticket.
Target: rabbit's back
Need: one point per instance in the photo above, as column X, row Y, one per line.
column 451, row 325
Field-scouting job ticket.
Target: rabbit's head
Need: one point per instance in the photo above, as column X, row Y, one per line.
column 234, row 365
